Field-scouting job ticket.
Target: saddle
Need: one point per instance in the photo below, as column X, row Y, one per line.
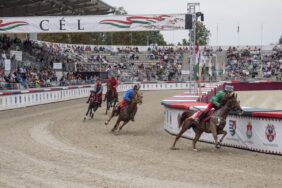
column 207, row 117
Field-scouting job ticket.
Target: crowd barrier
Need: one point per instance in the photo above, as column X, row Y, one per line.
column 31, row 97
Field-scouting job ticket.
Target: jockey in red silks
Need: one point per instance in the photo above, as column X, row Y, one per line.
column 112, row 82
column 99, row 91
column 214, row 103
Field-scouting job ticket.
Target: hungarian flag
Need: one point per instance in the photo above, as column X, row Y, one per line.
column 210, row 66
column 197, row 62
column 202, row 66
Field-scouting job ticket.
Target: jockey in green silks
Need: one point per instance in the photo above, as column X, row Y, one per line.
column 215, row 102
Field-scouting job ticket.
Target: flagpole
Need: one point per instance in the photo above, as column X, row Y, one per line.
column 238, row 32
column 217, row 34
column 261, row 35
column 261, row 38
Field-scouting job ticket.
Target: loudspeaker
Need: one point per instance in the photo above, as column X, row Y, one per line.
column 188, row 21
column 199, row 14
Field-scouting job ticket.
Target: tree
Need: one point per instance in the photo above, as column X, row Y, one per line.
column 280, row 40
column 185, row 42
column 120, row 11
column 202, row 34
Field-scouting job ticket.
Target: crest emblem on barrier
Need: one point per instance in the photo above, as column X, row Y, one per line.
column 232, row 127
column 270, row 132
column 249, row 132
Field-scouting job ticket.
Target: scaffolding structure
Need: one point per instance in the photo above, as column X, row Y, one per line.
column 192, row 8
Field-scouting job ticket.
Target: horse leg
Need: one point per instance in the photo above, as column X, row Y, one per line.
column 223, row 136
column 214, row 133
column 185, row 125
column 116, row 125
column 196, row 138
column 88, row 110
column 112, row 115
column 107, row 108
column 124, row 123
column 134, row 113
column 91, row 112
column 87, row 113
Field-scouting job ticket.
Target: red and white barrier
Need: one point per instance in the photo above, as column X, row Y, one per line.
column 24, row 98
column 251, row 133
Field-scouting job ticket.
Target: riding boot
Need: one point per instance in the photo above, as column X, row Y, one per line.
column 202, row 116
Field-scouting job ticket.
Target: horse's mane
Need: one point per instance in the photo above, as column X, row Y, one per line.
column 229, row 101
column 225, row 100
column 138, row 96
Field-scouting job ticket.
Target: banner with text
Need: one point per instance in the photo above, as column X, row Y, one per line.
column 63, row 24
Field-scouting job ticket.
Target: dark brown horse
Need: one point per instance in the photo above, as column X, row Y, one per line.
column 214, row 125
column 124, row 114
column 111, row 99
column 92, row 107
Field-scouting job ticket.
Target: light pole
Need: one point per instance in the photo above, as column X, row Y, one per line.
column 191, row 9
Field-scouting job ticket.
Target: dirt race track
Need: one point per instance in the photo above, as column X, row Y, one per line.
column 50, row 146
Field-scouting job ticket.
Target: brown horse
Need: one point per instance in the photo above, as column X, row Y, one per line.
column 124, row 114
column 214, row 125
column 111, row 99
column 92, row 107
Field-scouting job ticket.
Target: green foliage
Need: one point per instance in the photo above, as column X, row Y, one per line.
column 120, row 38
column 202, row 34
column 120, row 11
column 185, row 42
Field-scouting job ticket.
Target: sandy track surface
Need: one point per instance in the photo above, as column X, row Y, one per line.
column 261, row 99
column 50, row 146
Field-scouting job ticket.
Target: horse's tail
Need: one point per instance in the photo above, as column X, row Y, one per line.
column 182, row 117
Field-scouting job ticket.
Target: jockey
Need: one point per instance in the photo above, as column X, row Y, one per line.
column 99, row 91
column 112, row 82
column 215, row 103
column 128, row 97
column 92, row 96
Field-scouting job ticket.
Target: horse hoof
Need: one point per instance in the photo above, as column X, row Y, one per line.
column 218, row 146
column 84, row 119
column 174, row 148
column 196, row 150
column 106, row 123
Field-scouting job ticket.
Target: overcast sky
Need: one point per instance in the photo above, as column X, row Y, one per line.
column 258, row 19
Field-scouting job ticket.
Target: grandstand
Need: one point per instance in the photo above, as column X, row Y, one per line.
column 16, row 8
column 34, row 68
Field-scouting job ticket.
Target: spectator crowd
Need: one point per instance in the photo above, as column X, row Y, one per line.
column 128, row 63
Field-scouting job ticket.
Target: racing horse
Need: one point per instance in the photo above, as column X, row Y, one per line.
column 214, row 123
column 111, row 99
column 124, row 113
column 92, row 107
